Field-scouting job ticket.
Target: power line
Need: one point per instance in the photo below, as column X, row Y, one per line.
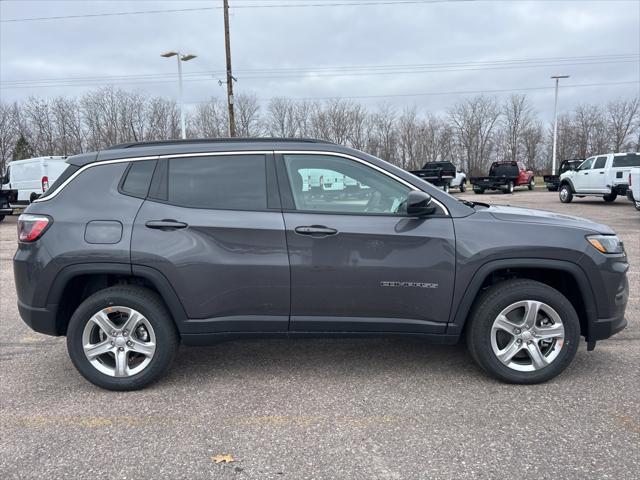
column 320, row 72
column 341, row 3
column 456, row 92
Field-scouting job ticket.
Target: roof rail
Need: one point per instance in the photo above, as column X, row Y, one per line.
column 189, row 141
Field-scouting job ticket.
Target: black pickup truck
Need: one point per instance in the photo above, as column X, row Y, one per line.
column 441, row 174
column 504, row 176
column 553, row 181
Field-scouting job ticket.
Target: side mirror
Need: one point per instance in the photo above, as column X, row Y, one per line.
column 419, row 204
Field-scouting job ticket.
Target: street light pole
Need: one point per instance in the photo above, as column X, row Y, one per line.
column 181, row 58
column 555, row 123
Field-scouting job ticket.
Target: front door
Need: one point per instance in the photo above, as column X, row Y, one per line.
column 358, row 262
column 598, row 177
column 212, row 225
column 582, row 178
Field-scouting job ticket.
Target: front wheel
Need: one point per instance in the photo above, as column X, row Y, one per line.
column 532, row 184
column 1, row 218
column 463, row 186
column 611, row 197
column 566, row 195
column 122, row 338
column 523, row 331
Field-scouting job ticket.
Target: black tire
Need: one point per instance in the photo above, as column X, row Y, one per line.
column 509, row 188
column 497, row 298
column 479, row 191
column 565, row 194
column 446, row 187
column 611, row 197
column 1, row 218
column 637, row 205
column 148, row 304
column 532, row 184
column 463, row 186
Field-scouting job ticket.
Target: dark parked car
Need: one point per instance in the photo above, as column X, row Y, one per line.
column 441, row 174
column 504, row 176
column 138, row 248
column 553, row 181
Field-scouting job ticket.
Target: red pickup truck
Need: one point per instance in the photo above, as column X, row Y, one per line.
column 504, row 176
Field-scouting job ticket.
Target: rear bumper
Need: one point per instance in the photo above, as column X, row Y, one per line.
column 42, row 320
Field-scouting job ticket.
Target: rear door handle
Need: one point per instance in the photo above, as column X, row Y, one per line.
column 316, row 230
column 165, row 224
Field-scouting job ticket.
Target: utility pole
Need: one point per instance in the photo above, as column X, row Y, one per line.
column 555, row 123
column 227, row 44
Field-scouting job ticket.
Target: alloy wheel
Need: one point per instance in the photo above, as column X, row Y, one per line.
column 527, row 336
column 119, row 341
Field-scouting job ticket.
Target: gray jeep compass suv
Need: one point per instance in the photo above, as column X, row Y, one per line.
column 139, row 247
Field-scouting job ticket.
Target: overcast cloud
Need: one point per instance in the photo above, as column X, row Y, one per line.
column 320, row 37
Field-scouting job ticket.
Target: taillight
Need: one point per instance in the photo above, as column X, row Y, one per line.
column 45, row 184
column 32, row 227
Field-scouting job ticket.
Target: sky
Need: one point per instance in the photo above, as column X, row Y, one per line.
column 428, row 53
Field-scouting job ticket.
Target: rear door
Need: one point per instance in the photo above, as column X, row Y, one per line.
column 212, row 225
column 358, row 263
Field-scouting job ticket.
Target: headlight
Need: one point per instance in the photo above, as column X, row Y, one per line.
column 606, row 243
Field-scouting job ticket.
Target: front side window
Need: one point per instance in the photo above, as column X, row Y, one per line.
column 325, row 183
column 223, row 182
column 587, row 164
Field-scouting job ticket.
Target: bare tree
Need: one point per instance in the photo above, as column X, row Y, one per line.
column 247, row 116
column 8, row 134
column 623, row 117
column 210, row 119
column 281, row 118
column 516, row 115
column 475, row 120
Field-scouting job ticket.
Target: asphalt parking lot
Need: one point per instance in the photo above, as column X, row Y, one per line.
column 379, row 408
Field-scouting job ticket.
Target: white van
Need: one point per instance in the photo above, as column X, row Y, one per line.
column 32, row 177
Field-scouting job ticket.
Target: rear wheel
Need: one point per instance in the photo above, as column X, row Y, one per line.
column 1, row 218
column 446, row 187
column 532, row 184
column 566, row 195
column 509, row 188
column 523, row 331
column 611, row 197
column 463, row 186
column 122, row 338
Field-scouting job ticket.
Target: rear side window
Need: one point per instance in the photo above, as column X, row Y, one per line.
column 224, row 182
column 600, row 162
column 138, row 178
column 628, row 160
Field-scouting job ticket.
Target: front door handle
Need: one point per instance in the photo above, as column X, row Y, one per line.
column 165, row 224
column 316, row 230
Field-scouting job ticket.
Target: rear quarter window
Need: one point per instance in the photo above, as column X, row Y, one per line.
column 137, row 178
column 627, row 160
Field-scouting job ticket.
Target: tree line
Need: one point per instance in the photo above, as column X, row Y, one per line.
column 472, row 133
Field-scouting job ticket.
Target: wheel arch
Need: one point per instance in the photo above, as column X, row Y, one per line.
column 567, row 181
column 566, row 277
column 75, row 283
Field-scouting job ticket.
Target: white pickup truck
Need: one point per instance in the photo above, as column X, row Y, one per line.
column 633, row 193
column 605, row 176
